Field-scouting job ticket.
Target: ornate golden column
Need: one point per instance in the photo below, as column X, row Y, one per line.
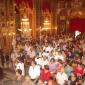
column 34, row 23
column 34, row 20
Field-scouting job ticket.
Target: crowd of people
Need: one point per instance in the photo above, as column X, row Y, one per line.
column 58, row 60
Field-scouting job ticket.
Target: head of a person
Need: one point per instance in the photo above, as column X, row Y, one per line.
column 77, row 55
column 19, row 60
column 60, row 61
column 44, row 57
column 73, row 76
column 62, row 69
column 46, row 44
column 27, row 43
column 52, row 60
column 33, row 63
column 27, row 78
column 79, row 64
column 19, row 72
column 46, row 67
column 59, row 53
column 31, row 49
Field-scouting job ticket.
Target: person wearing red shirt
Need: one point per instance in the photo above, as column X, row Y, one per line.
column 45, row 73
column 79, row 70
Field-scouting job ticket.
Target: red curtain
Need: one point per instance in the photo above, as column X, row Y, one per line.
column 29, row 3
column 18, row 2
column 46, row 5
column 77, row 24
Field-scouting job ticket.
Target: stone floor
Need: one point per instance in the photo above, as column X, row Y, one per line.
column 8, row 73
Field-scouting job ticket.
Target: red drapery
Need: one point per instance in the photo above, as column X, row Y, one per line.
column 29, row 3
column 18, row 2
column 46, row 5
column 77, row 24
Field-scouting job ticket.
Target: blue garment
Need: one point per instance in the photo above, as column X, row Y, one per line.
column 68, row 70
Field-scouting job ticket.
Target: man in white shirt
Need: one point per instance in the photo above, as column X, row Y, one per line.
column 49, row 48
column 34, row 71
column 61, row 77
column 39, row 61
column 45, row 61
column 59, row 56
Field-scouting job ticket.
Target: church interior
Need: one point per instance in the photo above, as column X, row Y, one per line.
column 29, row 17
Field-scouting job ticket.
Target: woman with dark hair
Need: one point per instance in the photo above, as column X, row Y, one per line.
column 52, row 66
column 73, row 79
